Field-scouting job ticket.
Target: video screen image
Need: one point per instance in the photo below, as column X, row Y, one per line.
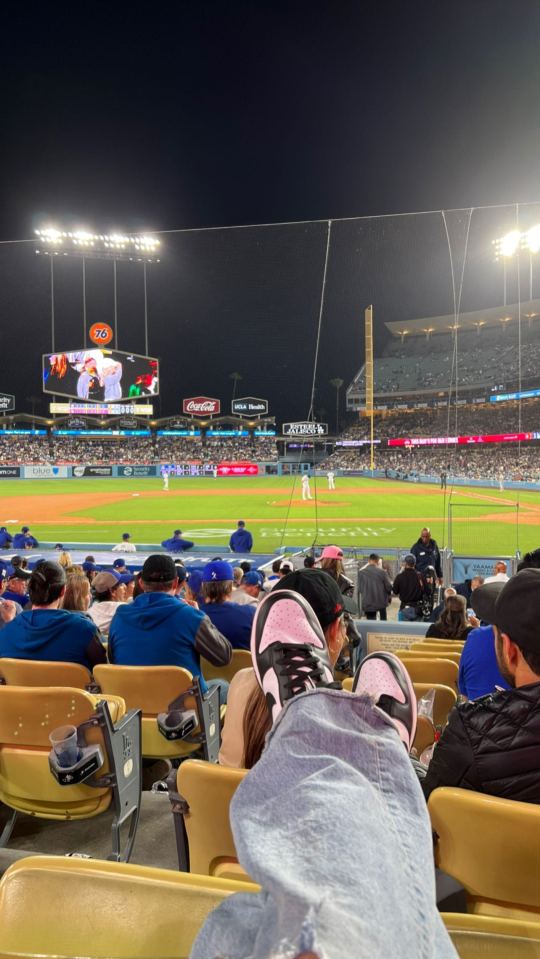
column 100, row 375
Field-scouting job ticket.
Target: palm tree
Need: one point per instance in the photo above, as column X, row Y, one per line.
column 337, row 383
column 235, row 377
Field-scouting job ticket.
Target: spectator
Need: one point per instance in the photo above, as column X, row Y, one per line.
column 24, row 540
column 46, row 632
column 241, row 540
column 109, row 593
column 499, row 573
column 193, row 594
column 77, row 595
column 247, row 720
column 233, row 620
column 408, row 585
column 176, row 544
column 330, row 751
column 5, row 538
column 119, row 566
column 157, row 629
column 437, row 610
column 125, row 546
column 251, row 587
column 331, row 560
column 452, row 623
column 375, row 587
column 238, row 594
column 17, row 582
column 65, row 559
column 492, row 745
column 90, row 570
column 8, row 607
column 286, row 566
column 426, row 553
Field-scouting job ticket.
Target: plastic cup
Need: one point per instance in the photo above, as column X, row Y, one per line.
column 64, row 743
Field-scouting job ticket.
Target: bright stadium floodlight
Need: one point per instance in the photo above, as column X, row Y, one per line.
column 118, row 246
column 508, row 244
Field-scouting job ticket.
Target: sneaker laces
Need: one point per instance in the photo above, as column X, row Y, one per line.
column 298, row 666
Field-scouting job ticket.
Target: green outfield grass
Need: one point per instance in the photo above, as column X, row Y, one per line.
column 359, row 512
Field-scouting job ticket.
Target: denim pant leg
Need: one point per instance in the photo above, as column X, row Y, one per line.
column 333, row 824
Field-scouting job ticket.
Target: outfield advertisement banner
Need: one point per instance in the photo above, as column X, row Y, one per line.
column 237, row 469
column 137, row 470
column 45, row 472
column 80, row 471
column 8, row 472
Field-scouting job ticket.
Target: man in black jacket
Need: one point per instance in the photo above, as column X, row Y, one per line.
column 409, row 587
column 426, row 553
column 492, row 745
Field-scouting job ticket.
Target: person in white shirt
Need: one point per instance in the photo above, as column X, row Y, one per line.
column 165, row 475
column 306, row 489
column 330, row 476
column 125, row 546
column 499, row 573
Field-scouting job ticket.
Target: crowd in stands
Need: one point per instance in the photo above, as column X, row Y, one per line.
column 27, row 450
column 491, row 462
column 67, row 449
column 489, row 359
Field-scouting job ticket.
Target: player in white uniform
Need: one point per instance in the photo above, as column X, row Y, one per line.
column 330, row 476
column 306, row 489
column 165, row 479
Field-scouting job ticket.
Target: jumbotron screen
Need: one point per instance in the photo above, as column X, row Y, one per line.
column 100, row 375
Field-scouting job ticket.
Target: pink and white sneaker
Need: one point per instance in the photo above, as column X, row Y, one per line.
column 384, row 677
column 288, row 648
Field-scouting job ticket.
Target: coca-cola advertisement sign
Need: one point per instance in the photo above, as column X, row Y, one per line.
column 237, row 469
column 201, row 406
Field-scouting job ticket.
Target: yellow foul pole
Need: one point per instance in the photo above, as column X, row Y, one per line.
column 368, row 337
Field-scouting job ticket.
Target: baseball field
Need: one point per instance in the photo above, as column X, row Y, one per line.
column 359, row 512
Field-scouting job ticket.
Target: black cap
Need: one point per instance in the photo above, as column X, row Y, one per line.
column 159, row 568
column 319, row 588
column 514, row 607
column 18, row 573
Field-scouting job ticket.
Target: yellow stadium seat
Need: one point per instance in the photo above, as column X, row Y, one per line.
column 440, row 671
column 30, row 672
column 155, row 690
column 445, row 698
column 201, row 808
column 27, row 784
column 241, row 659
column 492, row 847
column 452, row 645
column 95, row 909
column 493, row 925
column 453, row 656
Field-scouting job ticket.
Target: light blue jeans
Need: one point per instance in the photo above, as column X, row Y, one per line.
column 333, row 824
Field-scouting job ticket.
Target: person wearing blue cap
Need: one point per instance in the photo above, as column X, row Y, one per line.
column 5, row 538
column 125, row 546
column 119, row 566
column 241, row 540
column 176, row 544
column 24, row 540
column 232, row 620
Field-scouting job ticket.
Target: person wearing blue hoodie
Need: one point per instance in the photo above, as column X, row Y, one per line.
column 46, row 632
column 241, row 540
column 24, row 540
column 5, row 538
column 158, row 629
column 232, row 619
column 176, row 544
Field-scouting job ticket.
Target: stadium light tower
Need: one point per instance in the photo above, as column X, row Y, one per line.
column 511, row 244
column 84, row 244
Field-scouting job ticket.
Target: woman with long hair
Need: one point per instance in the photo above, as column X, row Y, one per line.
column 77, row 594
column 331, row 560
column 452, row 623
column 45, row 631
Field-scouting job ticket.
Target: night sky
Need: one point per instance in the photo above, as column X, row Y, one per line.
column 216, row 114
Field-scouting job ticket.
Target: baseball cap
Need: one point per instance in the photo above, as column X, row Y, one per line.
column 321, row 591
column 177, row 532
column 119, row 564
column 125, row 536
column 181, row 572
column 89, row 567
column 195, row 581
column 410, row 559
column 104, row 581
column 331, row 552
column 514, row 607
column 287, row 565
column 124, row 577
column 16, row 573
column 25, row 529
column 251, row 579
column 159, row 568
column 217, row 572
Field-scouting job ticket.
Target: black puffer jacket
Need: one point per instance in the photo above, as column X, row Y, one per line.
column 492, row 745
